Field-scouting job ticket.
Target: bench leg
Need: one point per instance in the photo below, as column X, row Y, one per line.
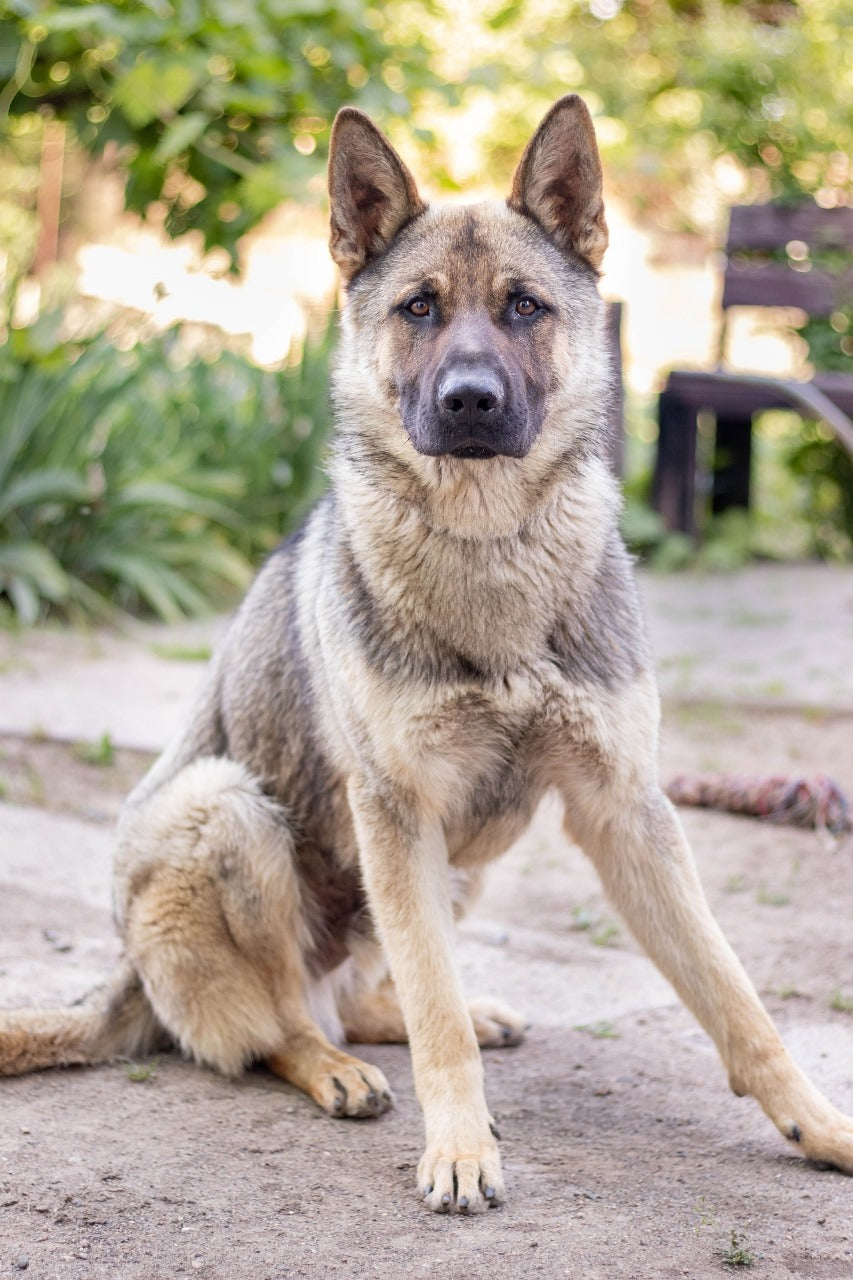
column 732, row 458
column 674, row 482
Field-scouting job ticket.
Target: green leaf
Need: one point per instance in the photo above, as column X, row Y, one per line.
column 42, row 486
column 37, row 565
column 25, row 600
column 100, row 17
column 159, row 493
column 179, row 135
column 156, row 89
column 150, row 579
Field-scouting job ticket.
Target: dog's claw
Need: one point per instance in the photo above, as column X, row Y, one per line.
column 466, row 1184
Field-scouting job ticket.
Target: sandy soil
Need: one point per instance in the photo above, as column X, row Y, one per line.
column 625, row 1154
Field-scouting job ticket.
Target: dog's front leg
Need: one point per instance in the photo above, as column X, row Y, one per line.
column 404, row 863
column 635, row 840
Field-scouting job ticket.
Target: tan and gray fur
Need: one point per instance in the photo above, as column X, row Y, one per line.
column 453, row 632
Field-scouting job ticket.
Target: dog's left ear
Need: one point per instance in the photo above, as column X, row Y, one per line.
column 372, row 195
column 558, row 181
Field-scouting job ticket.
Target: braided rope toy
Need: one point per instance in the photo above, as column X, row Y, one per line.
column 815, row 802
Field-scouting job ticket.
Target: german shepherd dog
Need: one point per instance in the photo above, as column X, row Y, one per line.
column 453, row 632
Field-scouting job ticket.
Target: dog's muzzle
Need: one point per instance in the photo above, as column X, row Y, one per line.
column 470, row 406
column 471, row 413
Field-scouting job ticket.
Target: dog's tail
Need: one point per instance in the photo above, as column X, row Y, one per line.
column 114, row 1021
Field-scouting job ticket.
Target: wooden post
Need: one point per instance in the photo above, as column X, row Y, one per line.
column 49, row 201
column 674, row 482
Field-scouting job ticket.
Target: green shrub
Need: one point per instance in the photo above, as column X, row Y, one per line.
column 826, row 468
column 145, row 479
column 820, row 460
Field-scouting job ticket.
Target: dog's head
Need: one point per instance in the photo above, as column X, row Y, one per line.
column 477, row 328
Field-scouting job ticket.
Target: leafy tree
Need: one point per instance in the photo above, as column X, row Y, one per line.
column 679, row 86
column 221, row 109
column 218, row 109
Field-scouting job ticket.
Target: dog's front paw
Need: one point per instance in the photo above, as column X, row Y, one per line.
column 461, row 1180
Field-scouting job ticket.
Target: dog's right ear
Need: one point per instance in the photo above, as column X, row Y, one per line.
column 371, row 192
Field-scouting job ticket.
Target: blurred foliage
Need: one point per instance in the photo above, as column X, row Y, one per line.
column 830, row 340
column 693, row 97
column 220, row 110
column 19, row 178
column 801, row 502
column 217, row 109
column 826, row 468
column 145, row 478
column 817, row 458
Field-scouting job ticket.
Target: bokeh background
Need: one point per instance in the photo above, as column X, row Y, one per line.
column 168, row 305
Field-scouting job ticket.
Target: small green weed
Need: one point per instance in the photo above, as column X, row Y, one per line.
column 705, row 1213
column 35, row 782
column 770, row 897
column 736, row 884
column 606, row 935
column 100, row 753
column 583, row 918
column 738, row 1253
column 141, row 1072
column 182, row 653
column 840, row 1002
column 603, row 932
column 600, row 1030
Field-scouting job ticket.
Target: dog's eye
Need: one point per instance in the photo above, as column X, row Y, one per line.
column 419, row 308
column 526, row 306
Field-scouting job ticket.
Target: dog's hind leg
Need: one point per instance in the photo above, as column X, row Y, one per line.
column 367, row 999
column 213, row 921
column 372, row 1015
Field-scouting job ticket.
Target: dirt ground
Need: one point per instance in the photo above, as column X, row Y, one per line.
column 626, row 1156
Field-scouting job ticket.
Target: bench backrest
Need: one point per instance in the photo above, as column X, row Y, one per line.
column 789, row 256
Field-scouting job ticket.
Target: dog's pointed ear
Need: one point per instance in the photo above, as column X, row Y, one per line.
column 558, row 181
column 371, row 192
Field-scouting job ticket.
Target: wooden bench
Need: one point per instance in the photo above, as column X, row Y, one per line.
column 770, row 251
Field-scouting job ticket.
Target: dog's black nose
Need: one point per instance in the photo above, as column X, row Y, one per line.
column 470, row 398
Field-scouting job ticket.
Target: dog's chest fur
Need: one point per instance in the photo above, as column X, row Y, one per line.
column 459, row 671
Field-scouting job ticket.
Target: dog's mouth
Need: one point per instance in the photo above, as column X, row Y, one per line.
column 473, row 451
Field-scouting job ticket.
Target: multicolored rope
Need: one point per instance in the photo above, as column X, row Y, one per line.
column 816, row 802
